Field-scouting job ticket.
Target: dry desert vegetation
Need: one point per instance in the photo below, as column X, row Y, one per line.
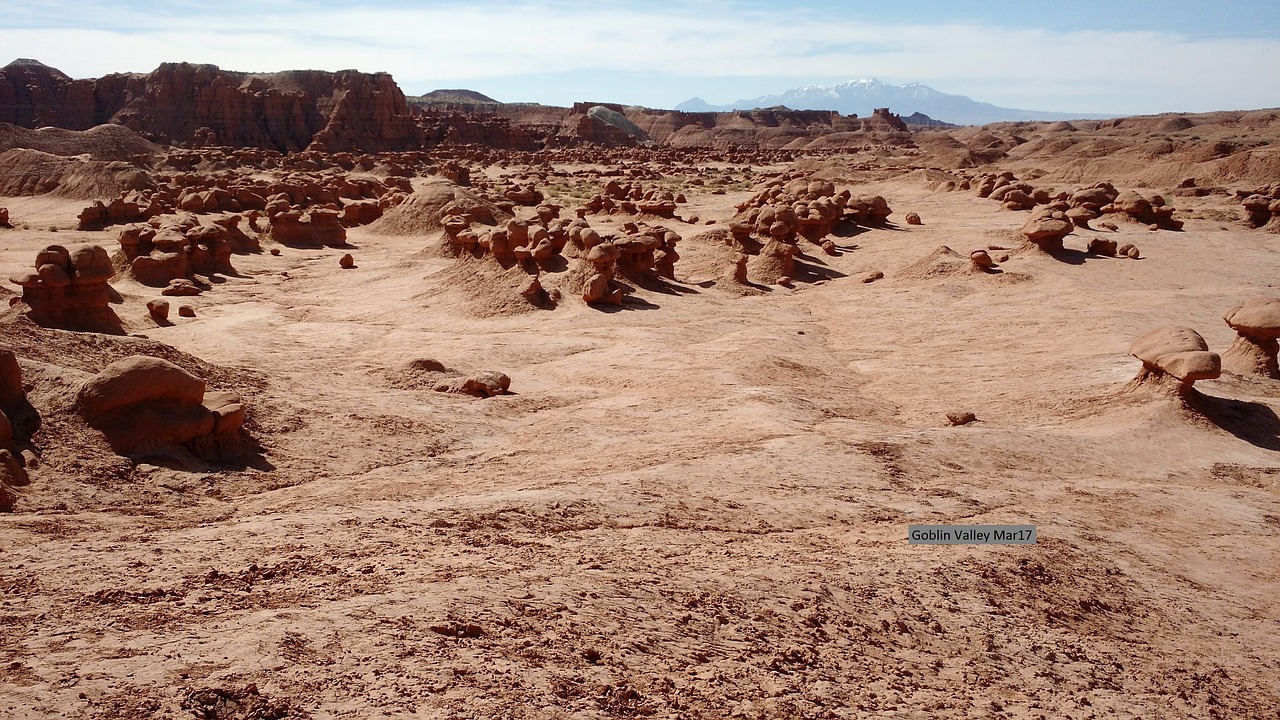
column 595, row 412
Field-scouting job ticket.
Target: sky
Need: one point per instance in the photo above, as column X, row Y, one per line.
column 1116, row 57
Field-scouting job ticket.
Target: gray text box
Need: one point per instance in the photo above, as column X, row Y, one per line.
column 971, row 534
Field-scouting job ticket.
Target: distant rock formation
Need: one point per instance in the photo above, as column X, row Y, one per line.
column 182, row 103
column 861, row 97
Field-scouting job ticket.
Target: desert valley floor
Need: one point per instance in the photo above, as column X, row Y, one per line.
column 692, row 504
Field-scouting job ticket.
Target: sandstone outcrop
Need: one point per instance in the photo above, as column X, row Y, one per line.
column 1257, row 324
column 184, row 103
column 1261, row 207
column 24, row 171
column 1174, row 358
column 173, row 248
column 68, row 290
column 314, row 227
column 143, row 404
column 428, row 373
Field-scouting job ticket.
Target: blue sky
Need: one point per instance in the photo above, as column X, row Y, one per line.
column 1070, row 56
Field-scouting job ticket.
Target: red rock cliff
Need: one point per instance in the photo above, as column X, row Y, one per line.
column 181, row 103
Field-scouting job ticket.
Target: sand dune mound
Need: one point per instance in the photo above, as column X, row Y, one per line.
column 34, row 172
column 103, row 142
column 487, row 288
column 421, row 213
column 941, row 263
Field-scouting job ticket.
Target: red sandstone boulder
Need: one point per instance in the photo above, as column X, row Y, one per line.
column 143, row 404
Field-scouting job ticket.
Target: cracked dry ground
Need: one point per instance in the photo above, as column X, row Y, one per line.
column 692, row 509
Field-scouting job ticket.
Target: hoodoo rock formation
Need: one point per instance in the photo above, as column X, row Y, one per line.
column 1257, row 323
column 68, row 290
column 174, row 247
column 1262, row 207
column 1046, row 228
column 1173, row 358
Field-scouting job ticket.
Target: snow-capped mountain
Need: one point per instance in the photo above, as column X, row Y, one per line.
column 861, row 97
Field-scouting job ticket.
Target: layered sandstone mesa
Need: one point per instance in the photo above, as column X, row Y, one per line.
column 1257, row 322
column 142, row 404
column 1173, row 358
column 180, row 103
column 69, row 291
column 1046, row 228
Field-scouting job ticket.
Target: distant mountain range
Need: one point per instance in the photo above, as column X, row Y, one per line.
column 861, row 97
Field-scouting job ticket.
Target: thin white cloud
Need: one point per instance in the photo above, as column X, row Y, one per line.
column 450, row 44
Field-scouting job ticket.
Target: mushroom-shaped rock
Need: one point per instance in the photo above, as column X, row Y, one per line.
column 143, row 403
column 1174, row 357
column 1257, row 322
column 1046, row 229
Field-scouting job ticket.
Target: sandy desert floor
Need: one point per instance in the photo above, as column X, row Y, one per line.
column 692, row 506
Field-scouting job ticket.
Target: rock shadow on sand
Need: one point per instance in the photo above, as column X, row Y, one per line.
column 1253, row 422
